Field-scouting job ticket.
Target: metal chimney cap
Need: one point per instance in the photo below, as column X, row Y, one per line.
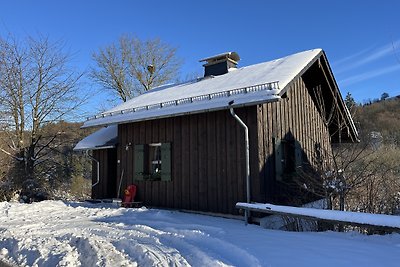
column 233, row 56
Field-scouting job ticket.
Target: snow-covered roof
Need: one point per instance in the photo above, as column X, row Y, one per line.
column 106, row 137
column 249, row 85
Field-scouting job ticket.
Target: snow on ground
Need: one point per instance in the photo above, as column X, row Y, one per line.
column 54, row 233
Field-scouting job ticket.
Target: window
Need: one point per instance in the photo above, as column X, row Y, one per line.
column 153, row 162
column 288, row 157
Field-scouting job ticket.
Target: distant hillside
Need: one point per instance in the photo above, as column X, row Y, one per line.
column 383, row 117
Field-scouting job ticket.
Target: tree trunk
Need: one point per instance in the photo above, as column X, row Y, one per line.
column 328, row 201
column 30, row 161
column 341, row 201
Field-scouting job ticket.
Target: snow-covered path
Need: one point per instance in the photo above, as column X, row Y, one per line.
column 53, row 233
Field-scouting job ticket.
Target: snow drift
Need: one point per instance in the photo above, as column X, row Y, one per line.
column 54, row 233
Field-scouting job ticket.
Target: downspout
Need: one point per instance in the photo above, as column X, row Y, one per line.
column 246, row 140
column 98, row 168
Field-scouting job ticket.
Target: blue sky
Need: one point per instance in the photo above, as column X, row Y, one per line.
column 360, row 38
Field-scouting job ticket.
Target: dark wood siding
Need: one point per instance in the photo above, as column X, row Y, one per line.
column 296, row 118
column 101, row 156
column 107, row 187
column 207, row 160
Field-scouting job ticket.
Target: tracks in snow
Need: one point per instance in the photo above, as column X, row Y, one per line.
column 52, row 233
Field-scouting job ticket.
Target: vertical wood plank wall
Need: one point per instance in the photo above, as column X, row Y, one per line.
column 101, row 156
column 207, row 160
column 107, row 186
column 99, row 191
column 295, row 117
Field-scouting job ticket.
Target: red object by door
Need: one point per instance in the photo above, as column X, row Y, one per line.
column 129, row 195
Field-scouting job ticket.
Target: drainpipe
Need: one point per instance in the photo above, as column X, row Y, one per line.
column 98, row 168
column 246, row 140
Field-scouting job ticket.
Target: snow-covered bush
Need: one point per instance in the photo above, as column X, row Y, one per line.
column 32, row 192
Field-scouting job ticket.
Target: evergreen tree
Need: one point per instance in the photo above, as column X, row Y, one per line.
column 384, row 96
column 350, row 102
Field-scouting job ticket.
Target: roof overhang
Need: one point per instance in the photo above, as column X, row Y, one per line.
column 350, row 132
column 213, row 104
column 104, row 138
column 344, row 130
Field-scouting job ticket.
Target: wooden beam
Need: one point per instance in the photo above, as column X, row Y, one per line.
column 335, row 94
column 307, row 213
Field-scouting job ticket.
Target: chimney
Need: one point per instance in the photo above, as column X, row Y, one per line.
column 220, row 64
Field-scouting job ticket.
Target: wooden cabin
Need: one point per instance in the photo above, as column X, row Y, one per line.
column 184, row 150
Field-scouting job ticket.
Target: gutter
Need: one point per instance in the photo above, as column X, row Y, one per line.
column 118, row 121
column 217, row 100
column 247, row 151
column 98, row 168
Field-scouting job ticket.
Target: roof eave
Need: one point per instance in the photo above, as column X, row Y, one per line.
column 306, row 67
column 253, row 103
column 94, row 148
column 353, row 133
column 353, row 130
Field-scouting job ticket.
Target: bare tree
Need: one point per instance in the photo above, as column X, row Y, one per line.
column 131, row 66
column 335, row 172
column 380, row 192
column 37, row 88
column 361, row 176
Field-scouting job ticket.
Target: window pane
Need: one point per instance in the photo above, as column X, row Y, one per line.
column 154, row 158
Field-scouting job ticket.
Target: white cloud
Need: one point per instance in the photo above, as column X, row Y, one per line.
column 350, row 58
column 376, row 54
column 368, row 75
